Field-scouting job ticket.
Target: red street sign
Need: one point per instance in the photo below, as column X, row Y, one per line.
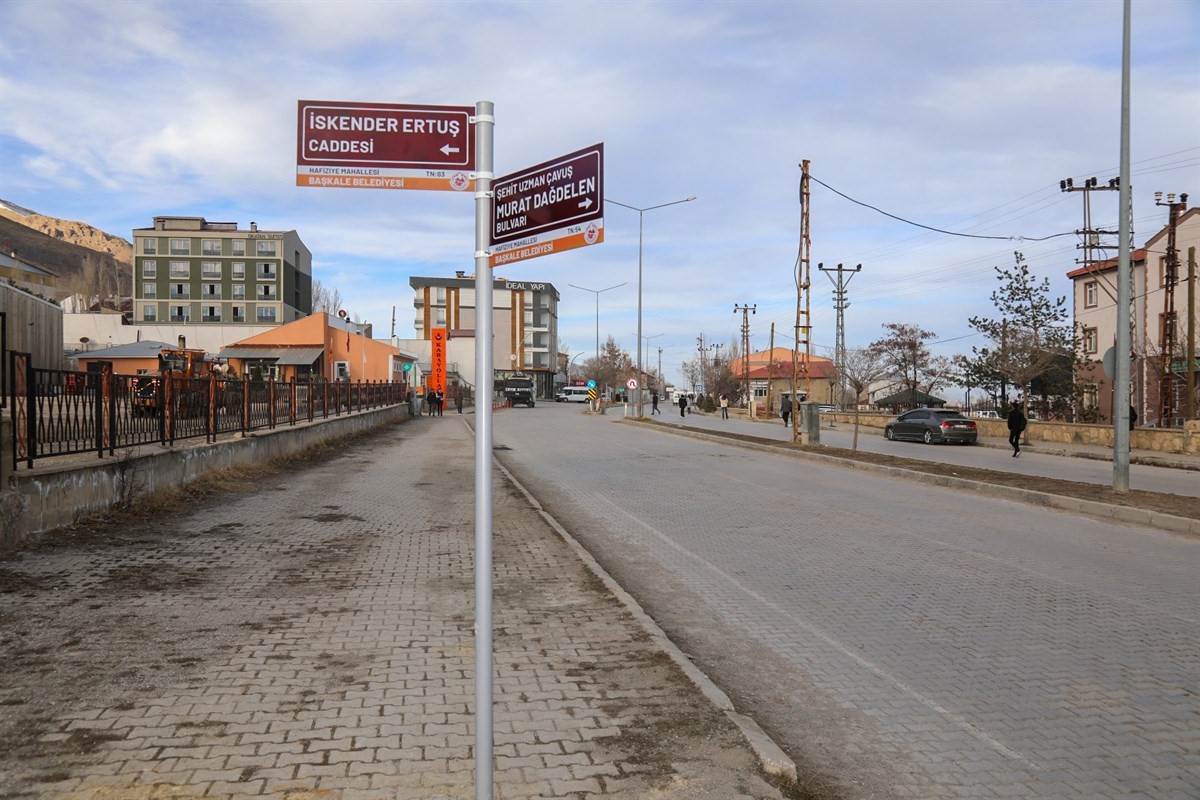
column 385, row 146
column 554, row 206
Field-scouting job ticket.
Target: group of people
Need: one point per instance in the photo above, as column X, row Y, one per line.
column 435, row 402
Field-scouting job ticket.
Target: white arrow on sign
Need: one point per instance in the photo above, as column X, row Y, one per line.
column 586, row 203
column 447, row 149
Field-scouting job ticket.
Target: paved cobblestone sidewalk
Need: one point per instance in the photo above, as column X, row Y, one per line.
column 312, row 640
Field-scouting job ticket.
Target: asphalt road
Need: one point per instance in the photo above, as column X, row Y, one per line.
column 898, row 640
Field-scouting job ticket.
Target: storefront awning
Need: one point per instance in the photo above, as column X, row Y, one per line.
column 302, row 356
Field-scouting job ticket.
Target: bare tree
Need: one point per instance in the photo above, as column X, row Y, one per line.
column 862, row 366
column 905, row 352
column 325, row 298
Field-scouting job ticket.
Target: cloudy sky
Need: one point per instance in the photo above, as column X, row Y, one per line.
column 962, row 116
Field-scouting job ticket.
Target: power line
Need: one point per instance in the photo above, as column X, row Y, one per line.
column 941, row 230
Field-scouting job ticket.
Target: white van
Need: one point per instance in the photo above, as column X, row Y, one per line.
column 572, row 394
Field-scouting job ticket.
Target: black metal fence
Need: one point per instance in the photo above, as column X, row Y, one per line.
column 61, row 412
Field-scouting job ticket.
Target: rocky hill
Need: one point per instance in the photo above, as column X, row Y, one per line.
column 85, row 259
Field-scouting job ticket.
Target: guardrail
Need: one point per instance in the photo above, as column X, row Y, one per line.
column 62, row 412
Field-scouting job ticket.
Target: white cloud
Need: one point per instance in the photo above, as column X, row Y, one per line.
column 961, row 116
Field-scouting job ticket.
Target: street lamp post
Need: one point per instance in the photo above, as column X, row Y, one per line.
column 642, row 211
column 598, row 292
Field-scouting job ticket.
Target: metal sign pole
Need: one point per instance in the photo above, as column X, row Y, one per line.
column 485, row 124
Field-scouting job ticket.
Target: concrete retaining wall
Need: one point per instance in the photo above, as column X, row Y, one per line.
column 54, row 495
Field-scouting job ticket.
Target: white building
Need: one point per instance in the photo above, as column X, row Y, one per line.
column 1095, row 313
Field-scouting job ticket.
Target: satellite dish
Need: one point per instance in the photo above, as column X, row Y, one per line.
column 342, row 313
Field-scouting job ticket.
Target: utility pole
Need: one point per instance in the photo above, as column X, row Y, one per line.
column 746, row 311
column 840, row 303
column 1191, row 335
column 1092, row 246
column 1166, row 335
column 803, row 304
column 700, row 349
column 393, row 322
column 770, row 367
column 661, row 381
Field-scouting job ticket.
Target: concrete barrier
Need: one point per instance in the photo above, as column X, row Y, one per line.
column 59, row 492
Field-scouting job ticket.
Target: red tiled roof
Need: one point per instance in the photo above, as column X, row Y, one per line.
column 1105, row 266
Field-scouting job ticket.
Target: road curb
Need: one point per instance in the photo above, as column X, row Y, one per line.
column 772, row 758
column 1091, row 508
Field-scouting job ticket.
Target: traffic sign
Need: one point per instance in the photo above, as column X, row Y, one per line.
column 548, row 208
column 631, row 383
column 385, row 146
column 406, row 366
column 591, row 384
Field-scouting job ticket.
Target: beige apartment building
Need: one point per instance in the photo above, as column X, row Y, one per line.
column 189, row 271
column 1095, row 313
column 524, row 324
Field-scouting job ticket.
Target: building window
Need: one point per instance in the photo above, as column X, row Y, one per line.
column 239, row 270
column 149, row 290
column 237, row 247
column 239, row 291
column 239, row 313
column 211, row 314
column 181, row 247
column 1168, row 322
column 212, row 291
column 1091, row 395
column 210, row 269
column 181, row 313
column 181, row 290
column 149, row 312
column 1091, row 341
column 150, row 269
column 439, row 317
column 265, row 271
column 266, row 293
column 181, row 269
column 1091, row 294
column 150, row 247
column 266, row 313
column 210, row 247
column 265, row 248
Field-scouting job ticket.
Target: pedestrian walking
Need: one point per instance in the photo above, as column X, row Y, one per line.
column 458, row 399
column 785, row 409
column 430, row 402
column 441, row 401
column 412, row 403
column 1132, row 417
column 683, row 405
column 724, row 406
column 654, row 404
column 1016, row 426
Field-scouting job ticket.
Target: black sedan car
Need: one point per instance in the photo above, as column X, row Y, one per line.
column 932, row 426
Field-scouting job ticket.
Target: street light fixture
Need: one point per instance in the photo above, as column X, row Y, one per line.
column 598, row 292
column 642, row 211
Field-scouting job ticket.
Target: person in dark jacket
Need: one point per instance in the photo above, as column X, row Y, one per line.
column 683, row 405
column 1016, row 426
column 785, row 408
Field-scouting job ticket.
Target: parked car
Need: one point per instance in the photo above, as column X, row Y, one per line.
column 825, row 408
column 985, row 414
column 932, row 426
